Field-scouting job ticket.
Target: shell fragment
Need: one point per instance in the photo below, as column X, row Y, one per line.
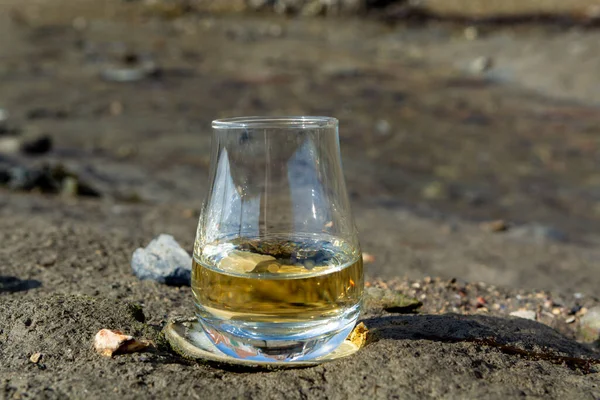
column 108, row 343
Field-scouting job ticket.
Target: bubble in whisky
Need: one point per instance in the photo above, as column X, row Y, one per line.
column 277, row 281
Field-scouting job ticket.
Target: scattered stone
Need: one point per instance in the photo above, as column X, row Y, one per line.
column 189, row 213
column 131, row 68
column 70, row 187
column 556, row 311
column 383, row 127
column 434, row 191
column 109, row 342
column 3, row 118
column 44, row 178
column 116, row 108
column 526, row 314
column 358, row 336
column 538, row 233
column 481, row 65
column 495, row 226
column 570, row 320
column 9, row 145
column 163, row 261
column 589, row 325
column 40, row 145
column 471, row 33
column 575, row 309
column 275, row 30
column 390, row 300
column 35, row 358
column 368, row 258
column 312, row 8
column 481, row 302
column 48, row 259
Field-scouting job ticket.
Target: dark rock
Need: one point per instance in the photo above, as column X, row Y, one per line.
column 23, row 178
column 45, row 178
column 40, row 145
column 163, row 261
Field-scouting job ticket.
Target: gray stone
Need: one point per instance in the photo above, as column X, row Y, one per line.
column 163, row 261
column 538, row 233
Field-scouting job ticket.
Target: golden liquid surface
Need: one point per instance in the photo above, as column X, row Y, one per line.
column 262, row 288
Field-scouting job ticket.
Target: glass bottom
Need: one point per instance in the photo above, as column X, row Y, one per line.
column 260, row 341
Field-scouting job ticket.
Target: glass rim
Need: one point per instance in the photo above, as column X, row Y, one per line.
column 303, row 122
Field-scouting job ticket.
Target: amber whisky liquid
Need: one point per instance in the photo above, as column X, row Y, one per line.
column 277, row 288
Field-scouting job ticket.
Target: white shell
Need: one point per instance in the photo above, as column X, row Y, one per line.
column 108, row 342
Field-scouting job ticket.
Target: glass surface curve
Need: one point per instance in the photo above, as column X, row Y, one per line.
column 277, row 272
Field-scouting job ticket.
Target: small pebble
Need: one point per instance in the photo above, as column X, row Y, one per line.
column 481, row 64
column 3, row 115
column 589, row 325
column 434, row 191
column 164, row 261
column 116, row 108
column 70, row 186
column 570, row 320
column 471, row 33
column 383, row 127
column 9, row 145
column 108, row 342
column 48, row 259
column 526, row 314
column 495, row 226
column 368, row 258
column 37, row 146
column 35, row 358
column 538, row 233
column 574, row 309
column 556, row 311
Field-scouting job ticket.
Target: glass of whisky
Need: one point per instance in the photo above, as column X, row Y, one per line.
column 277, row 273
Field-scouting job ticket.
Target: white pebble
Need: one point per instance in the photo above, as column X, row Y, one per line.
column 527, row 314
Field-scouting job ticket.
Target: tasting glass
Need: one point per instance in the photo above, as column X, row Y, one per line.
column 277, row 272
